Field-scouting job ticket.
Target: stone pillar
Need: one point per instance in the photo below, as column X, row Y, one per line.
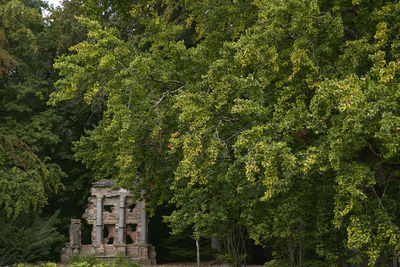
column 121, row 221
column 99, row 221
column 143, row 222
column 75, row 234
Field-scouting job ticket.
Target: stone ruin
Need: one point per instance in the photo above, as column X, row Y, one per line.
column 119, row 227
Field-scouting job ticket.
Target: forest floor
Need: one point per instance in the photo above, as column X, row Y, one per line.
column 194, row 264
column 182, row 265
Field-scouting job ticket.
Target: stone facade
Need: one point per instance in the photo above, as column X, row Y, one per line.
column 118, row 227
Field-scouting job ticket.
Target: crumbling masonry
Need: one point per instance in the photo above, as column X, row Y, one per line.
column 119, row 228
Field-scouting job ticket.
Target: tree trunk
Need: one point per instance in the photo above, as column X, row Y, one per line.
column 300, row 256
column 395, row 260
column 340, row 262
column 235, row 245
column 291, row 252
column 198, row 253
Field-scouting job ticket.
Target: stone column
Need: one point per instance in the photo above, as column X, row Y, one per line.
column 143, row 222
column 121, row 221
column 99, row 221
column 75, row 234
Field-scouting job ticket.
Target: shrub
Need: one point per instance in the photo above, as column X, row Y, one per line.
column 29, row 238
column 78, row 260
column 122, row 261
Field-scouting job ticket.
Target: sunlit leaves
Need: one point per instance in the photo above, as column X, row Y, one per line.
column 258, row 110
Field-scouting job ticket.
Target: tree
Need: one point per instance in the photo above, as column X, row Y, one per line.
column 278, row 117
column 272, row 86
column 34, row 137
column 27, row 173
column 29, row 238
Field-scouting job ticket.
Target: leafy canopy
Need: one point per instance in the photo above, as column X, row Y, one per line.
column 277, row 116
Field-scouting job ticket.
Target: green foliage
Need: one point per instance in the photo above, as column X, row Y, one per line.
column 29, row 238
column 24, row 178
column 275, row 263
column 175, row 248
column 78, row 260
column 35, row 139
column 125, row 261
column 63, row 29
column 43, row 264
column 277, row 117
column 27, row 136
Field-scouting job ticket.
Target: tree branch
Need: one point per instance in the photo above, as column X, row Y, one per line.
column 379, row 199
column 373, row 150
column 386, row 186
column 130, row 98
column 166, row 81
column 164, row 94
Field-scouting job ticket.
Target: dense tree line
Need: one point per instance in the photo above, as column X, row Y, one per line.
column 38, row 174
column 276, row 121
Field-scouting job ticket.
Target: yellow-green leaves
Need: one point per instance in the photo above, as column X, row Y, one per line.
column 389, row 134
column 381, row 33
column 25, row 179
column 278, row 115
